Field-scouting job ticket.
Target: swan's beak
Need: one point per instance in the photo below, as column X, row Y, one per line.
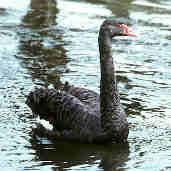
column 127, row 31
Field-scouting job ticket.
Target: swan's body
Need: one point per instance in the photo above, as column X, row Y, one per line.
column 80, row 114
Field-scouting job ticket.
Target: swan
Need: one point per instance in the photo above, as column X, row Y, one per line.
column 82, row 115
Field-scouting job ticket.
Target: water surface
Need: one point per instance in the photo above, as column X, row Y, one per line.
column 45, row 42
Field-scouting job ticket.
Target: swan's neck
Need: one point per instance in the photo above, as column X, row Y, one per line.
column 109, row 96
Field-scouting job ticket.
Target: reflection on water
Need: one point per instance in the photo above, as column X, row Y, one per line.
column 41, row 43
column 44, row 41
column 120, row 8
column 42, row 13
column 77, row 156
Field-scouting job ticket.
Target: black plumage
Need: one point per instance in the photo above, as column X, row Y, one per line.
column 80, row 114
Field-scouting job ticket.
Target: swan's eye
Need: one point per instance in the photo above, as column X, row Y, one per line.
column 119, row 25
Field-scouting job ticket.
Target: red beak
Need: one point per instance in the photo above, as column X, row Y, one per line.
column 127, row 31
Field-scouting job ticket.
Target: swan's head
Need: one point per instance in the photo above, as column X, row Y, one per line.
column 114, row 27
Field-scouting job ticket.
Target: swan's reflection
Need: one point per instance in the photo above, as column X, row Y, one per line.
column 41, row 43
column 64, row 155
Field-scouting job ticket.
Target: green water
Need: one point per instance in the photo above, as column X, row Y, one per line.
column 44, row 41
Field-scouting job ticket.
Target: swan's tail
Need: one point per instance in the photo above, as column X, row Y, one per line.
column 59, row 108
column 39, row 101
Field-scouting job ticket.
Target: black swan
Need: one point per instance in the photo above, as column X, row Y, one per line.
column 79, row 114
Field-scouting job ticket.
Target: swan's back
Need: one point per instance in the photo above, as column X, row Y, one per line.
column 88, row 97
column 73, row 119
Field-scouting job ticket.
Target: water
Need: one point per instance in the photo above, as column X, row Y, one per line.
column 44, row 42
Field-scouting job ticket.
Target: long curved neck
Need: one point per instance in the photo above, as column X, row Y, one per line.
column 109, row 96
